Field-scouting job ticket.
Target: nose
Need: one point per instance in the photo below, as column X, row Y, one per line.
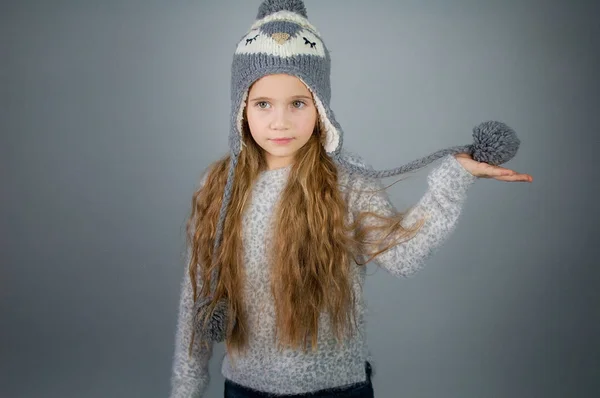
column 280, row 37
column 280, row 120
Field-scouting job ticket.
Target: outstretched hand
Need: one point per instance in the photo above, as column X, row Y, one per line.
column 485, row 170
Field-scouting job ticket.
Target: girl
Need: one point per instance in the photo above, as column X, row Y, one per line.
column 282, row 227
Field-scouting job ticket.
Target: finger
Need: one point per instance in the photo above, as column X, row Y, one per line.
column 515, row 178
column 497, row 171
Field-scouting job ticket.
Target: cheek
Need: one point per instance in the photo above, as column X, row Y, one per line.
column 307, row 125
column 254, row 122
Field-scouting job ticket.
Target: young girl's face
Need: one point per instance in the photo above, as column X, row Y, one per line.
column 281, row 115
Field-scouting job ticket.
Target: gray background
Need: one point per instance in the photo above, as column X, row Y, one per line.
column 110, row 111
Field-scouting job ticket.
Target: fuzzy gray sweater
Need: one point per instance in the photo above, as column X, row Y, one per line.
column 268, row 369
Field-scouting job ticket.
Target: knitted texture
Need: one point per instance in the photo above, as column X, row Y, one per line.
column 190, row 376
column 268, row 369
column 269, row 7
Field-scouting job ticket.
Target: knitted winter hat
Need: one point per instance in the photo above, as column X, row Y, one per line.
column 282, row 40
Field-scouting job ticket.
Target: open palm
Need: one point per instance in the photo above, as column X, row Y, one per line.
column 485, row 170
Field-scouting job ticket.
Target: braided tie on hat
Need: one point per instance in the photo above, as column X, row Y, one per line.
column 494, row 143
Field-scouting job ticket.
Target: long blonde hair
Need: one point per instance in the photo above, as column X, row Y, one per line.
column 313, row 244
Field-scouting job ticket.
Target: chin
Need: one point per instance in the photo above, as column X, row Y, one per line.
column 282, row 154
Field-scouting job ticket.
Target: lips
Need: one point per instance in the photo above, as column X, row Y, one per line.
column 282, row 140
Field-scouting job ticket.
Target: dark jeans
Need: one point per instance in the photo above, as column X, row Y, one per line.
column 359, row 390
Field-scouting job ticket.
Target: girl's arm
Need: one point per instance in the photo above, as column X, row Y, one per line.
column 448, row 184
column 190, row 375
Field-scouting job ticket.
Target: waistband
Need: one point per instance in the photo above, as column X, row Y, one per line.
column 234, row 390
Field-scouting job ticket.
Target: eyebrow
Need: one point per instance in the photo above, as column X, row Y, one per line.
column 270, row 99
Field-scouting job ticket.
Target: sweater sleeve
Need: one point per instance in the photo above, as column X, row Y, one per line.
column 441, row 206
column 190, row 375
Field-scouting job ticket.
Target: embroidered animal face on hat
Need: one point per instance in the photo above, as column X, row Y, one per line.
column 282, row 40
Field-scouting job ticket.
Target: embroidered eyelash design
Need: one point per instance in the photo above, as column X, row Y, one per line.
column 311, row 43
column 250, row 40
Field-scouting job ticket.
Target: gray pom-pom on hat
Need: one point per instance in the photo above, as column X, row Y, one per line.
column 269, row 7
column 495, row 143
column 282, row 40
